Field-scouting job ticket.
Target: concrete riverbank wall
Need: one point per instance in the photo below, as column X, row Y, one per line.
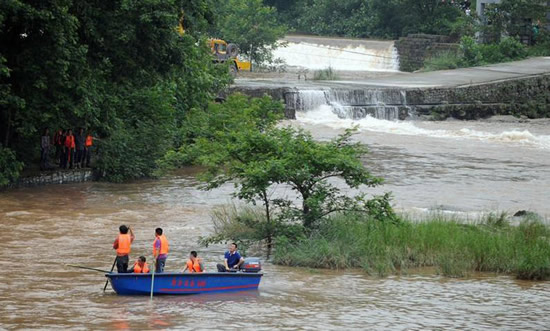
column 55, row 177
column 414, row 49
column 520, row 96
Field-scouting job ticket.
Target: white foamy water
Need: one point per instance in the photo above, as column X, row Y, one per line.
column 356, row 58
column 324, row 115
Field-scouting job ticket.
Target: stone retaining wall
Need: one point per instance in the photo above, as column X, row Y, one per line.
column 56, row 177
column 528, row 96
column 415, row 48
column 525, row 96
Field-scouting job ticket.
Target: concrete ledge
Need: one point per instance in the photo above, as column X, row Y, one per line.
column 55, row 177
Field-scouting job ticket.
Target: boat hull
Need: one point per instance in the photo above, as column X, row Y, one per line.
column 180, row 283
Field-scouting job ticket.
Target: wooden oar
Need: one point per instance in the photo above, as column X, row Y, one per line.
column 153, row 276
column 107, row 281
column 87, row 268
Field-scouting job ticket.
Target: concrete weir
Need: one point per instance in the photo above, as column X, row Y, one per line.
column 469, row 93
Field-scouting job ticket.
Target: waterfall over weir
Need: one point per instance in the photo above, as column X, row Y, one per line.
column 386, row 104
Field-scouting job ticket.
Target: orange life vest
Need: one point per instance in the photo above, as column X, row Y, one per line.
column 69, row 141
column 194, row 267
column 163, row 246
column 124, row 243
column 89, row 141
column 140, row 270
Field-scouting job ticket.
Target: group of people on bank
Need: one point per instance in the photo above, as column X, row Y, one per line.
column 71, row 150
column 161, row 247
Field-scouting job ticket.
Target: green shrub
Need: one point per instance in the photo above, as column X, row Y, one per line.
column 471, row 52
column 10, row 168
column 325, row 74
column 443, row 61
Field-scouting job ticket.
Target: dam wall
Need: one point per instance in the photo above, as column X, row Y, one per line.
column 521, row 96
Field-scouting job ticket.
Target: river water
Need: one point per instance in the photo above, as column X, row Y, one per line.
column 451, row 166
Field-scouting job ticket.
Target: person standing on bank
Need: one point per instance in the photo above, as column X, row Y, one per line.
column 58, row 140
column 232, row 260
column 79, row 140
column 88, row 148
column 69, row 149
column 45, row 150
column 123, row 245
column 63, row 154
column 160, row 250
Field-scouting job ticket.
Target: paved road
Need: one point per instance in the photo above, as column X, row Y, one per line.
column 444, row 78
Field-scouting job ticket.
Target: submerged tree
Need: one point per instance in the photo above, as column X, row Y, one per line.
column 256, row 161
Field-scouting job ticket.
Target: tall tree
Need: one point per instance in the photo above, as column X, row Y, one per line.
column 118, row 67
column 251, row 25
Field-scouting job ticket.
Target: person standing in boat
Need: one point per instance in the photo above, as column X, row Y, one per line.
column 123, row 244
column 160, row 250
column 140, row 267
column 194, row 264
column 232, row 260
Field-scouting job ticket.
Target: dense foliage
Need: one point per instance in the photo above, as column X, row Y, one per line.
column 472, row 54
column 370, row 18
column 250, row 24
column 117, row 67
column 515, row 18
column 9, row 166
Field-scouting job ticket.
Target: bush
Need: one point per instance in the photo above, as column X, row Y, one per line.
column 143, row 137
column 10, row 168
column 325, row 74
column 249, row 227
column 443, row 61
column 471, row 52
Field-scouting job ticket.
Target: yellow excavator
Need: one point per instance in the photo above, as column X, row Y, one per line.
column 222, row 52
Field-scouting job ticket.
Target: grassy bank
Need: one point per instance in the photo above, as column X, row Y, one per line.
column 455, row 249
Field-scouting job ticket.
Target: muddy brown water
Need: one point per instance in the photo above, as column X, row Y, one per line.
column 45, row 227
column 456, row 167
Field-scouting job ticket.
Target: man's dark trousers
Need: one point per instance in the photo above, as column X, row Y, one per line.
column 122, row 264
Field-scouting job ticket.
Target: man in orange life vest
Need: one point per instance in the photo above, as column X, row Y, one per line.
column 140, row 267
column 160, row 250
column 194, row 264
column 69, row 149
column 88, row 148
column 123, row 245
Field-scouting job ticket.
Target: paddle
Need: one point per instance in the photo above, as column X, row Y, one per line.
column 107, row 281
column 87, row 268
column 153, row 276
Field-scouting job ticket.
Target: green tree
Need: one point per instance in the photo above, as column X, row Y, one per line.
column 255, row 161
column 117, row 67
column 514, row 18
column 216, row 124
column 251, row 25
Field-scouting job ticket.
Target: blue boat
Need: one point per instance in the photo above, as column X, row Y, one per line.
column 180, row 283
column 188, row 283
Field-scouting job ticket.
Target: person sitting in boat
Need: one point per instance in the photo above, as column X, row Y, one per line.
column 194, row 264
column 232, row 260
column 140, row 267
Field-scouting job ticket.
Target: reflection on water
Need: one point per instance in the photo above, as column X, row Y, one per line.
column 46, row 227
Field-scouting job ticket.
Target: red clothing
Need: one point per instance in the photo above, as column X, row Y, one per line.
column 69, row 142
